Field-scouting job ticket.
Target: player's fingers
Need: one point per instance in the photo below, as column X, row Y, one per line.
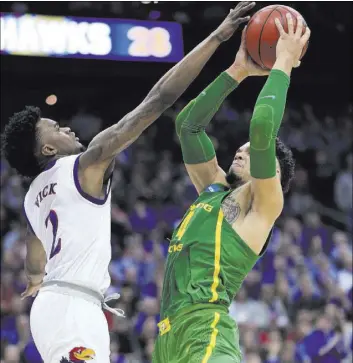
column 24, row 294
column 304, row 39
column 290, row 24
column 241, row 20
column 279, row 27
column 299, row 30
column 241, row 4
column 244, row 9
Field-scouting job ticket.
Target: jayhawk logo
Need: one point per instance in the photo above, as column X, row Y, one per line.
column 79, row 355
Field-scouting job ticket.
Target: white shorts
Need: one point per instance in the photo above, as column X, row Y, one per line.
column 65, row 326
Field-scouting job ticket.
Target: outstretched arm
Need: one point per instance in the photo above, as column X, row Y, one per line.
column 198, row 151
column 266, row 120
column 111, row 141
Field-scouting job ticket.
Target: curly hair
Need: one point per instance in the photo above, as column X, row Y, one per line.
column 19, row 141
column 286, row 162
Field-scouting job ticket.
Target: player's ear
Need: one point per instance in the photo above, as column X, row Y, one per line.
column 48, row 150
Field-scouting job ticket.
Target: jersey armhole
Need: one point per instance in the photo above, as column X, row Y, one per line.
column 264, row 248
column 85, row 195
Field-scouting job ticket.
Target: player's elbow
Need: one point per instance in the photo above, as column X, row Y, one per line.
column 261, row 127
column 183, row 117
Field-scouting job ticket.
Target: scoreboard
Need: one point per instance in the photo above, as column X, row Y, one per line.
column 95, row 38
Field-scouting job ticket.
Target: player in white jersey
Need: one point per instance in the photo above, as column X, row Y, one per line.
column 68, row 210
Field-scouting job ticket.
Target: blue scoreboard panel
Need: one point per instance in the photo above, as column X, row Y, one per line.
column 74, row 37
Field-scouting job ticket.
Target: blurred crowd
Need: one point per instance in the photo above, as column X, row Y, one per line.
column 295, row 306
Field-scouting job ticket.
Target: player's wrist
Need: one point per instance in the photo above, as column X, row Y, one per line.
column 215, row 37
column 35, row 279
column 238, row 73
column 284, row 62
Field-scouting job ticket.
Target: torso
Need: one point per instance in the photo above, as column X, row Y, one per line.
column 74, row 228
column 208, row 257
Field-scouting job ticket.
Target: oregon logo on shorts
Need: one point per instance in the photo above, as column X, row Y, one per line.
column 79, row 355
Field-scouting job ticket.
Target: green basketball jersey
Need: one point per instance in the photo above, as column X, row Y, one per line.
column 207, row 260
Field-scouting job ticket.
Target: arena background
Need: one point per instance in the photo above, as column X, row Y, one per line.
column 301, row 290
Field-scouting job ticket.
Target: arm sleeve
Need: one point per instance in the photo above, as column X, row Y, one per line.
column 265, row 123
column 192, row 120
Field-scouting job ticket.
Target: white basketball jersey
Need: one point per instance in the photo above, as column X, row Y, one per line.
column 73, row 227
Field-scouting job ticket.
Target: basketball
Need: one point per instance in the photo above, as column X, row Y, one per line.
column 262, row 34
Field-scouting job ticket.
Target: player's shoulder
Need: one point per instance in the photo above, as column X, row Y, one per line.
column 54, row 168
column 67, row 160
column 60, row 163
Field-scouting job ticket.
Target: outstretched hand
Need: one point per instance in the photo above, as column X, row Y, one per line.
column 291, row 44
column 233, row 20
column 243, row 62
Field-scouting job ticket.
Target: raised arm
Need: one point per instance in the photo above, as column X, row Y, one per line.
column 266, row 120
column 198, row 151
column 111, row 141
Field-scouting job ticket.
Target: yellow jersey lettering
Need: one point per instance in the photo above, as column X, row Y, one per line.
column 184, row 224
column 182, row 228
column 164, row 326
column 175, row 248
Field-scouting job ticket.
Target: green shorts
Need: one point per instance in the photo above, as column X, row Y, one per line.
column 205, row 333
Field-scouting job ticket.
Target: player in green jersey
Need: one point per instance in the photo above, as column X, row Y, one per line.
column 227, row 228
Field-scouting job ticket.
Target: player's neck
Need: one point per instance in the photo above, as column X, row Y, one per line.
column 234, row 181
column 239, row 185
column 47, row 162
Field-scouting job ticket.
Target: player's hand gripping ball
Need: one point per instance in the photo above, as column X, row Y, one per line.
column 262, row 34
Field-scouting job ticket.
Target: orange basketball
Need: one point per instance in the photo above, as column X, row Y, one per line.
column 262, row 34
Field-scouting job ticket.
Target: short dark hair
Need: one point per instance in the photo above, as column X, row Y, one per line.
column 286, row 162
column 19, row 141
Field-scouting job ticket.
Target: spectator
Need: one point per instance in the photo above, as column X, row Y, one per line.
column 323, row 343
column 343, row 186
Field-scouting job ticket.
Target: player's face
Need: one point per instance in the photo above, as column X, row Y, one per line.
column 241, row 164
column 56, row 140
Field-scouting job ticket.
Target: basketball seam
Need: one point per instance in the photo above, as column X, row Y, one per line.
column 261, row 34
column 283, row 22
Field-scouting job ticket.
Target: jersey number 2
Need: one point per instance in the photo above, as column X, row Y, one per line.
column 53, row 219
